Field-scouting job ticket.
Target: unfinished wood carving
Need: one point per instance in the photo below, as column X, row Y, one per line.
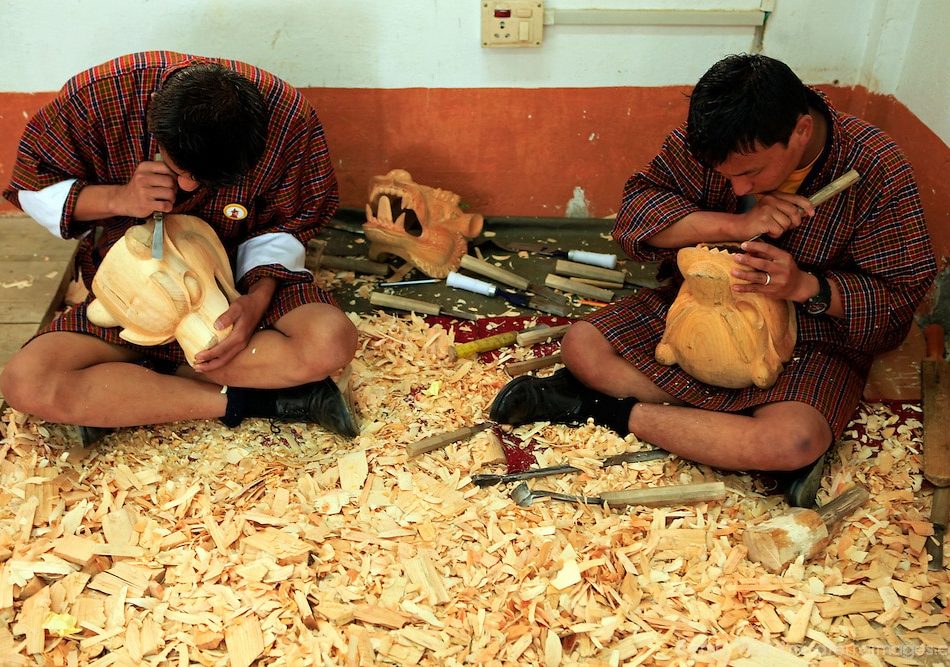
column 178, row 297
column 721, row 337
column 423, row 225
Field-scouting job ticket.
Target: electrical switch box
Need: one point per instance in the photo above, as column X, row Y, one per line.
column 509, row 23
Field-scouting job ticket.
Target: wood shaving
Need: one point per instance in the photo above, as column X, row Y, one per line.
column 196, row 544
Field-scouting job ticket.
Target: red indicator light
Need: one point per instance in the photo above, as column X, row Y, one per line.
column 502, row 13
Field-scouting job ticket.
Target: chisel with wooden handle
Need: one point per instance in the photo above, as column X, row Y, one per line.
column 935, row 387
column 444, row 439
column 416, row 306
column 677, row 494
column 491, row 479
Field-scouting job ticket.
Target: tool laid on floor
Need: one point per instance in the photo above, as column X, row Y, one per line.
column 506, row 277
column 490, row 479
column 158, row 232
column 602, row 259
column 523, row 338
column 935, row 388
column 519, row 299
column 444, row 439
column 516, row 368
column 679, row 494
column 840, row 184
column 616, row 279
column 577, row 287
column 776, row 543
column 384, row 300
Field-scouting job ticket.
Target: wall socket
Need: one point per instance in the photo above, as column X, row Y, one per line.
column 507, row 23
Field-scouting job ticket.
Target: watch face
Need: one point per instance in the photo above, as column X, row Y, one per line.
column 815, row 307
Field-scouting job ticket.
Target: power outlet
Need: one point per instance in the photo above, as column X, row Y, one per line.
column 507, row 23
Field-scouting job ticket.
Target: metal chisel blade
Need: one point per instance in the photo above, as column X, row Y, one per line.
column 158, row 232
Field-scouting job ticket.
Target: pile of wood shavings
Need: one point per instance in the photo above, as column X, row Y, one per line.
column 196, row 544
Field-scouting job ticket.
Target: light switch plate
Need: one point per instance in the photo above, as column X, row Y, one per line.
column 512, row 23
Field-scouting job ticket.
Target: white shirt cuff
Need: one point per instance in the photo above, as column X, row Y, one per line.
column 46, row 206
column 274, row 248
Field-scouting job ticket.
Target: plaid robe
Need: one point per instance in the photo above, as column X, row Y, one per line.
column 95, row 131
column 870, row 240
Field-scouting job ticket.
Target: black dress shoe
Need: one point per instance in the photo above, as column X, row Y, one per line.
column 557, row 399
column 318, row 403
column 804, row 484
column 89, row 435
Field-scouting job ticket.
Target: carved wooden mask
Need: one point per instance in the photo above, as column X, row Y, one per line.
column 721, row 337
column 178, row 297
column 423, row 225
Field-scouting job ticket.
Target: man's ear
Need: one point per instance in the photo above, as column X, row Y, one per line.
column 804, row 127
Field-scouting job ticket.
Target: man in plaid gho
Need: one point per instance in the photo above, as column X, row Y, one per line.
column 243, row 151
column 756, row 145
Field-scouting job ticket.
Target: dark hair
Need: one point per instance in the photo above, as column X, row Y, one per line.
column 212, row 122
column 744, row 101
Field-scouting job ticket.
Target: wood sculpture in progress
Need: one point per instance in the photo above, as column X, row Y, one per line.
column 178, row 297
column 720, row 337
column 422, row 225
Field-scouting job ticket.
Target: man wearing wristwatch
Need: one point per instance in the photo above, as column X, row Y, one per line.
column 756, row 145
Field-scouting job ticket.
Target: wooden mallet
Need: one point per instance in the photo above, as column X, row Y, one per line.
column 776, row 543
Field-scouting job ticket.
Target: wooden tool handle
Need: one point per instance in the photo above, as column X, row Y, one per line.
column 934, row 339
column 578, row 270
column 496, row 342
column 841, row 183
column 521, row 367
column 403, row 303
column 935, row 387
column 540, row 335
column 680, row 494
column 574, row 287
column 496, row 273
column 843, row 505
column 444, row 439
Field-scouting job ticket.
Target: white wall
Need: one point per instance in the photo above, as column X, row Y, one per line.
column 891, row 46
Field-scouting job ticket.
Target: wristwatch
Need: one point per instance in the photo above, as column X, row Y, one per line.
column 819, row 303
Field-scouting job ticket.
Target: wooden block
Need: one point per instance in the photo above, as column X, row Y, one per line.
column 245, row 641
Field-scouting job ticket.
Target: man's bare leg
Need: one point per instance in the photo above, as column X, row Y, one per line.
column 79, row 379
column 779, row 436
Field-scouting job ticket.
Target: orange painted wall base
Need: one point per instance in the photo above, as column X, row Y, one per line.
column 526, row 151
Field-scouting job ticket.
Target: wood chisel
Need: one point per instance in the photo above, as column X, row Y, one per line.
column 490, row 479
column 935, row 387
column 523, row 338
column 506, row 277
column 677, row 494
column 840, row 184
column 444, row 439
column 158, row 231
column 416, row 306
column 601, row 259
column 457, row 280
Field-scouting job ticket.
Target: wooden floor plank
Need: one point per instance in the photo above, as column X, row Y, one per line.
column 35, row 268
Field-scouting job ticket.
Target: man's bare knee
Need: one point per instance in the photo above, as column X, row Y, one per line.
column 327, row 347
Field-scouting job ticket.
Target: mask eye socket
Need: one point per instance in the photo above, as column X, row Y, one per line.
column 193, row 286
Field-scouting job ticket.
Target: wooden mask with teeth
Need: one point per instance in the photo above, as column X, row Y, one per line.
column 423, row 225
column 721, row 337
column 178, row 297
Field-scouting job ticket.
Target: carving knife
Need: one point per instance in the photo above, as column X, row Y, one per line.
column 158, row 232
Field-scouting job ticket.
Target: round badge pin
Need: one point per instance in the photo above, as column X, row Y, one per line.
column 235, row 212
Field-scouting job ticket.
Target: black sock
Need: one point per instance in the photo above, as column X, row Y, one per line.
column 614, row 413
column 244, row 402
